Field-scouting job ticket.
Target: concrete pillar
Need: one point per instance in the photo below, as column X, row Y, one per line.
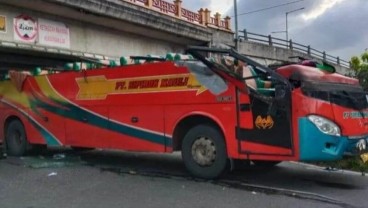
column 202, row 15
column 218, row 19
column 149, row 4
column 228, row 22
column 178, row 7
column 207, row 14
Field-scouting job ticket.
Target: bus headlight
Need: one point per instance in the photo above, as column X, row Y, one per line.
column 325, row 125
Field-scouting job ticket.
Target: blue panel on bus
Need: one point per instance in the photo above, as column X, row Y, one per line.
column 317, row 146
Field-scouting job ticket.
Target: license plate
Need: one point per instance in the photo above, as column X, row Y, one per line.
column 364, row 157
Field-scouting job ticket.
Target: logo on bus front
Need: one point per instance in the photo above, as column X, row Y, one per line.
column 355, row 114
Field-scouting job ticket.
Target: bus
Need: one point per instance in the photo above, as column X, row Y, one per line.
column 217, row 106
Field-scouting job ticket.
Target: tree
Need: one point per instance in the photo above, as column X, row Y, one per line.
column 360, row 67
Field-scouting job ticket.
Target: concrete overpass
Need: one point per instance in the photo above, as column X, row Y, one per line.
column 107, row 29
column 270, row 50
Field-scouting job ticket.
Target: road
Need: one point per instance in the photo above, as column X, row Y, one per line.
column 61, row 178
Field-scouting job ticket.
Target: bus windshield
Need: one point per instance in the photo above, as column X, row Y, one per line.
column 212, row 81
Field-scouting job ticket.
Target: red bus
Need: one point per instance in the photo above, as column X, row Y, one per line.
column 220, row 106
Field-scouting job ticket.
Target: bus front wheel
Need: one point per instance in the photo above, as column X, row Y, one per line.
column 16, row 140
column 204, row 152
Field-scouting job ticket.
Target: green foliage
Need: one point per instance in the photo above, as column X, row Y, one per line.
column 363, row 78
column 355, row 63
column 360, row 67
column 365, row 57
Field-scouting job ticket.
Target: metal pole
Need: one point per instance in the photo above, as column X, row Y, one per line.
column 236, row 24
column 287, row 31
column 287, row 28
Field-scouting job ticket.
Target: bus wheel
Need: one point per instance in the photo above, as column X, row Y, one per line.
column 16, row 140
column 204, row 152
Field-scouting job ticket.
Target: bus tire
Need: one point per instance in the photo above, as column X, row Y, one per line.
column 16, row 139
column 204, row 152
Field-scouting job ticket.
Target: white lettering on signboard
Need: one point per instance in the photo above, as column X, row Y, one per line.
column 25, row 29
column 52, row 33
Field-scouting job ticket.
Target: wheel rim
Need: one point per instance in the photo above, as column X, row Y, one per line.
column 204, row 151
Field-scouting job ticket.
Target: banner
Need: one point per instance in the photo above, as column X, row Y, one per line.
column 25, row 29
column 52, row 33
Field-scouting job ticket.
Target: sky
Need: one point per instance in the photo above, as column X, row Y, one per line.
column 339, row 27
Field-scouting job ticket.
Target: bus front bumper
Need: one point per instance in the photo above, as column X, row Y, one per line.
column 317, row 146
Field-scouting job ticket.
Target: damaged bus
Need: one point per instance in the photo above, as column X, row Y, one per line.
column 217, row 107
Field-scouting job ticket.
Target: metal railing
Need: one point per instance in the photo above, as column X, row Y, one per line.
column 282, row 43
column 174, row 8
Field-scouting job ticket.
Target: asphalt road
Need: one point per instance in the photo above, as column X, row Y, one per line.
column 121, row 179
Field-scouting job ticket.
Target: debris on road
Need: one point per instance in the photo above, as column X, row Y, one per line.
column 55, row 161
column 58, row 156
column 52, row 174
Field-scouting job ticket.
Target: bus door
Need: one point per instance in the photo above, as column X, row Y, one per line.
column 265, row 122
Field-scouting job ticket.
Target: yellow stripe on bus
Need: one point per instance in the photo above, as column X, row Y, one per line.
column 98, row 87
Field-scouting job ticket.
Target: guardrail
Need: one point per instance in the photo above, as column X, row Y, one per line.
column 272, row 41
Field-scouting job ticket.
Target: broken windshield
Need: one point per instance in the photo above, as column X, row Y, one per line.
column 349, row 96
column 213, row 82
column 234, row 64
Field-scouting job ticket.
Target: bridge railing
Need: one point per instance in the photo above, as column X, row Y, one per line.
column 272, row 41
column 202, row 17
